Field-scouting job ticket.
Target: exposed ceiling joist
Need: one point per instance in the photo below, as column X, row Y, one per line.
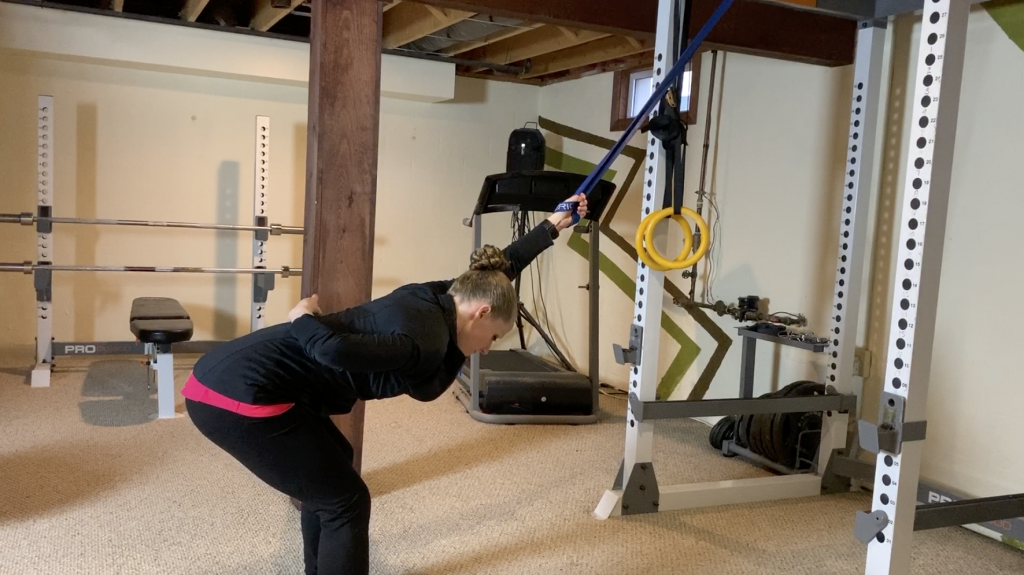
column 533, row 43
column 411, row 21
column 392, row 5
column 491, row 38
column 117, row 5
column 192, row 9
column 595, row 52
column 793, row 30
column 266, row 15
column 636, row 61
column 634, row 18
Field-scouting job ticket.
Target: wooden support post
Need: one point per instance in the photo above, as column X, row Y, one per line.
column 341, row 164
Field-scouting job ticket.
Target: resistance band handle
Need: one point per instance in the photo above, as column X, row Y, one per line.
column 569, row 207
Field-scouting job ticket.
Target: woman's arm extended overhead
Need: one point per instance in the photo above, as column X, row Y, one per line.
column 523, row 251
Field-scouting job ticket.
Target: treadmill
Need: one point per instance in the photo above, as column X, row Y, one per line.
column 515, row 385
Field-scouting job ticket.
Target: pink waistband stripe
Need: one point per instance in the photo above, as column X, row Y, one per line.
column 196, row 391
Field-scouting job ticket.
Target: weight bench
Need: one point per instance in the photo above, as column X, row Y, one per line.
column 159, row 322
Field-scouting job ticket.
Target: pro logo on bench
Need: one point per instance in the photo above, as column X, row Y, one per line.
column 79, row 349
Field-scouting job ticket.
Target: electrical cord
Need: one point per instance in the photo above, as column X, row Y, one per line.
column 542, row 323
column 710, row 267
column 711, row 261
column 542, row 305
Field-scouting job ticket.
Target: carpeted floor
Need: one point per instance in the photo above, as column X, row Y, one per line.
column 90, row 485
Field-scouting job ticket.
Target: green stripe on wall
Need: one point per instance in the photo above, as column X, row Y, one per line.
column 566, row 163
column 688, row 352
column 1009, row 15
column 688, row 349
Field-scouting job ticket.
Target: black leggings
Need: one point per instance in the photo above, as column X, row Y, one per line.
column 302, row 455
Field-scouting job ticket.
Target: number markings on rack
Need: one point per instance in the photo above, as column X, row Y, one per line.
column 890, row 551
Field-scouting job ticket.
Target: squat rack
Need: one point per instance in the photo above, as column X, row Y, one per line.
column 898, row 438
column 42, row 270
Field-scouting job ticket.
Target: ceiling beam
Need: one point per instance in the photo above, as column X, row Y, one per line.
column 590, row 53
column 411, row 21
column 499, row 78
column 636, row 61
column 533, row 43
column 391, row 5
column 850, row 9
column 776, row 31
column 807, row 3
column 117, row 5
column 774, row 28
column 635, row 18
column 192, row 9
column 504, row 34
column 266, row 15
column 858, row 9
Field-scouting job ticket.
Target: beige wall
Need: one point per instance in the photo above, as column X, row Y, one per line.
column 140, row 144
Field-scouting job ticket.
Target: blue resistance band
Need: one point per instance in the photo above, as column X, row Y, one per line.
column 677, row 70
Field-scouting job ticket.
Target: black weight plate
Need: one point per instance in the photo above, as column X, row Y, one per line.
column 786, row 427
column 758, row 426
column 715, row 437
column 751, row 433
column 721, row 431
column 730, row 430
column 763, row 427
column 743, row 431
column 741, row 425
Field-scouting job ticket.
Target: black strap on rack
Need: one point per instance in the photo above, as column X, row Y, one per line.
column 668, row 126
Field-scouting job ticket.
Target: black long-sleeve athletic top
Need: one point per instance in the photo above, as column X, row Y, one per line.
column 402, row 343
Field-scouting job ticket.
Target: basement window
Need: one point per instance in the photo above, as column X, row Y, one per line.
column 641, row 84
column 632, row 88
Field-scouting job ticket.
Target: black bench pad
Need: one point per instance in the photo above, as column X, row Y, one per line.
column 157, row 308
column 160, row 320
column 162, row 330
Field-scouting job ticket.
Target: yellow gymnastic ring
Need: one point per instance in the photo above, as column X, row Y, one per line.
column 644, row 241
column 685, row 259
column 650, row 256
